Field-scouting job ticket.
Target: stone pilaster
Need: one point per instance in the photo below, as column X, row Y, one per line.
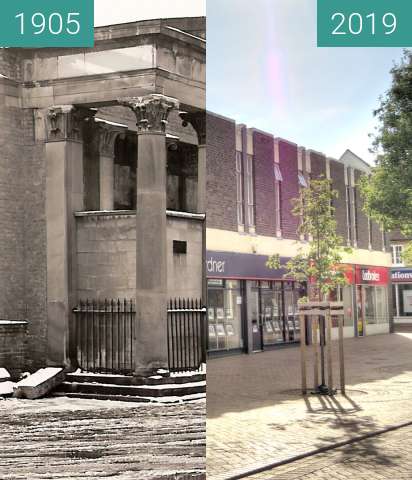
column 64, row 196
column 107, row 133
column 151, row 244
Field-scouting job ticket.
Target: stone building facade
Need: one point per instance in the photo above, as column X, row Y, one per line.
column 88, row 136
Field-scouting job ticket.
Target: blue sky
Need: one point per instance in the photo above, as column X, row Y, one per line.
column 265, row 70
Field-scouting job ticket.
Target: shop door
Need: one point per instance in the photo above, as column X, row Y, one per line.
column 271, row 315
column 292, row 324
column 255, row 318
column 360, row 306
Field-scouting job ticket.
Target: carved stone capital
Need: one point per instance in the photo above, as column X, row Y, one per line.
column 152, row 111
column 198, row 121
column 64, row 122
column 107, row 133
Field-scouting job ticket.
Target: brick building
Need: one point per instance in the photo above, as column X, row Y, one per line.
column 251, row 178
column 84, row 133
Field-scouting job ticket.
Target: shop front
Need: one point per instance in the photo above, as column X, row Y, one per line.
column 402, row 294
column 250, row 307
column 372, row 302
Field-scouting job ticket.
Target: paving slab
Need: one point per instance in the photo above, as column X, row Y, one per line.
column 61, row 438
column 256, row 414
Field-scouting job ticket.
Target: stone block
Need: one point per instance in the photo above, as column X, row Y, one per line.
column 40, row 383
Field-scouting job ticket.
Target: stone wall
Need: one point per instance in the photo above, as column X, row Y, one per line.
column 106, row 254
column 13, row 343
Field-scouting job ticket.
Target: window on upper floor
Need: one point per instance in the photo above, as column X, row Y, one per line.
column 278, row 199
column 250, row 194
column 239, row 190
column 397, row 251
column 302, row 180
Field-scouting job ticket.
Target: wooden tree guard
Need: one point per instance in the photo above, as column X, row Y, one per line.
column 315, row 310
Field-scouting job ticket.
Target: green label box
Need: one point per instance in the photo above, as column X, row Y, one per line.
column 364, row 23
column 47, row 23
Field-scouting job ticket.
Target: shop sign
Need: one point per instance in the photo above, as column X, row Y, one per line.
column 240, row 265
column 372, row 275
column 401, row 275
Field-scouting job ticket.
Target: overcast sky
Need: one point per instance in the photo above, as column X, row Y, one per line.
column 121, row 11
column 265, row 70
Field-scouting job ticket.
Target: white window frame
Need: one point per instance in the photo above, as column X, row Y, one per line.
column 397, row 255
column 250, row 197
column 239, row 190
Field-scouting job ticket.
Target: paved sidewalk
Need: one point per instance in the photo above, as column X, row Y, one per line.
column 385, row 457
column 60, row 438
column 257, row 416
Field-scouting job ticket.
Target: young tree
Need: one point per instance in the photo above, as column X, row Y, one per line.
column 318, row 261
column 388, row 190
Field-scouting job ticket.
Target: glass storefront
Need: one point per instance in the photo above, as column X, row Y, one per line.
column 402, row 298
column 269, row 308
column 225, row 315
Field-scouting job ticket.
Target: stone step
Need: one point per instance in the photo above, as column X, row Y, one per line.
column 128, row 380
column 134, row 398
column 163, row 390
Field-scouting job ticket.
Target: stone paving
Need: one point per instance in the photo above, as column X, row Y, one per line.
column 384, row 457
column 257, row 416
column 60, row 438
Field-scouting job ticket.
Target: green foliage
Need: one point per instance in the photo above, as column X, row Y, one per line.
column 407, row 254
column 388, row 191
column 319, row 259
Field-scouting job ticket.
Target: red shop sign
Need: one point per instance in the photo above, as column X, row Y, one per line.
column 372, row 275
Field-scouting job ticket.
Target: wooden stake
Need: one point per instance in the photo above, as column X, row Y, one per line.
column 303, row 352
column 341, row 356
column 315, row 330
column 328, row 319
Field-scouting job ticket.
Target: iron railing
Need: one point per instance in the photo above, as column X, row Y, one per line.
column 103, row 333
column 186, row 334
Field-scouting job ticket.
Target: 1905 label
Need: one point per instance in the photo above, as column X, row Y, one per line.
column 47, row 23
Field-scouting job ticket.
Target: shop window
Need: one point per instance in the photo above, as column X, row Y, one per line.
column 224, row 315
column 239, row 189
column 397, row 251
column 405, row 300
column 250, row 194
column 182, row 161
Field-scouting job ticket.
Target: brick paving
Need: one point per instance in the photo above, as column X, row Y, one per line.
column 384, row 457
column 256, row 415
column 58, row 438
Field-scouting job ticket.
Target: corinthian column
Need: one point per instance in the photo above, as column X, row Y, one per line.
column 151, row 246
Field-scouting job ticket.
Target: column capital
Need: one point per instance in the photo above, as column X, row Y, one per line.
column 198, row 121
column 107, row 134
column 64, row 122
column 152, row 111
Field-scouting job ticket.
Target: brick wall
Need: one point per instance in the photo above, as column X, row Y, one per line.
column 337, row 173
column 361, row 218
column 35, row 263
column 13, row 342
column 264, row 184
column 221, row 174
column 318, row 164
column 288, row 158
column 12, row 188
column 377, row 239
